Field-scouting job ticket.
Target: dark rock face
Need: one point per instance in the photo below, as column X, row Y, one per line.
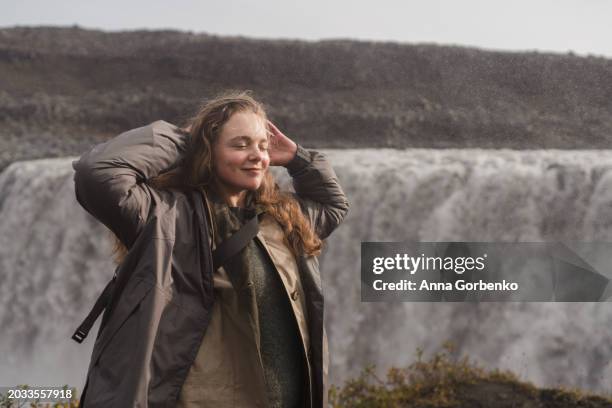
column 62, row 89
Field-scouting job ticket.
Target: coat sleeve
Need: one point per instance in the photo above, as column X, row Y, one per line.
column 110, row 179
column 318, row 190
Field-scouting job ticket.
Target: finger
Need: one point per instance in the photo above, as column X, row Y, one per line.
column 273, row 127
column 274, row 139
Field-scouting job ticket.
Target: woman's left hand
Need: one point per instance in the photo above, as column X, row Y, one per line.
column 282, row 149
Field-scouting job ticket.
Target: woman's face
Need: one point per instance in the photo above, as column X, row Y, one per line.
column 241, row 153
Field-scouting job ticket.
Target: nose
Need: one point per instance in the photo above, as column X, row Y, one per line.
column 257, row 154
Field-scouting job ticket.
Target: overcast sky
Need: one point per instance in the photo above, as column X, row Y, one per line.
column 582, row 26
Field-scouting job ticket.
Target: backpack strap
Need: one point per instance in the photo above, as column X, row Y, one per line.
column 235, row 243
column 103, row 300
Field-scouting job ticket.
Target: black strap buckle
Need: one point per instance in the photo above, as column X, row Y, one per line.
column 103, row 300
column 79, row 335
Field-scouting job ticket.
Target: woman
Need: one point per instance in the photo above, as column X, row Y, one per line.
column 182, row 332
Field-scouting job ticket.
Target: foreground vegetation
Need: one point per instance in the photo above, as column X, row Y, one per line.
column 443, row 381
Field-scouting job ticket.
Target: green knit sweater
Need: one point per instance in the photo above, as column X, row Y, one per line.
column 280, row 343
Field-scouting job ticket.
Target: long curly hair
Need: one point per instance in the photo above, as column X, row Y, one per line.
column 195, row 171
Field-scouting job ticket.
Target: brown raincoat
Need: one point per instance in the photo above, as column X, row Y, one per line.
column 153, row 337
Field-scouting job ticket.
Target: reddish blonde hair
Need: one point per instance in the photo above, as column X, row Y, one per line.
column 196, row 172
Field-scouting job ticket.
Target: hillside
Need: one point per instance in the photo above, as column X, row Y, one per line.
column 62, row 89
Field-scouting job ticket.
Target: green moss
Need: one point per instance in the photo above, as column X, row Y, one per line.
column 447, row 382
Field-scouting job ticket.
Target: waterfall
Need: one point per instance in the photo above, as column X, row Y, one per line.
column 54, row 261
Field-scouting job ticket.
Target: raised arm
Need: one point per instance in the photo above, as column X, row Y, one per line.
column 110, row 178
column 318, row 189
column 315, row 182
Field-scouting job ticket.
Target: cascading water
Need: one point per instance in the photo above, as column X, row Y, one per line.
column 54, row 261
